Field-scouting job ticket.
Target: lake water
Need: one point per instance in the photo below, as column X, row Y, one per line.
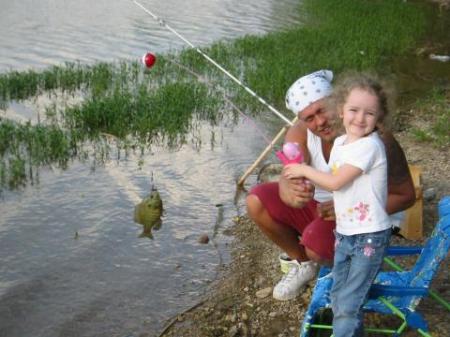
column 71, row 260
column 37, row 34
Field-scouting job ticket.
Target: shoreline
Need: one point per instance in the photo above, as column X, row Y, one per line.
column 240, row 302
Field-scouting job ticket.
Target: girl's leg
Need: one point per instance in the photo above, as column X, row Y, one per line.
column 366, row 258
column 341, row 267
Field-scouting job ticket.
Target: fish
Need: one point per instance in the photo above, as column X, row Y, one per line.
column 148, row 213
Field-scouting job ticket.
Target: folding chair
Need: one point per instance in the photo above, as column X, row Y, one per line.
column 393, row 292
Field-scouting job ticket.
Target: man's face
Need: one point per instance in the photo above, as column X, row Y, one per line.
column 319, row 121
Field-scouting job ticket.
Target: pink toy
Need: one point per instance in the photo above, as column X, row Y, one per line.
column 290, row 154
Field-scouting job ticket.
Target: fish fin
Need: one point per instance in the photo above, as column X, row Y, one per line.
column 146, row 235
column 157, row 224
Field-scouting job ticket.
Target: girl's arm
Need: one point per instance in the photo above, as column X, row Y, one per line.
column 331, row 182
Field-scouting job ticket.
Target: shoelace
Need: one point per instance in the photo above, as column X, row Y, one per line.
column 291, row 274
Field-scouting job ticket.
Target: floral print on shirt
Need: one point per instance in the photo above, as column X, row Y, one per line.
column 359, row 213
column 362, row 210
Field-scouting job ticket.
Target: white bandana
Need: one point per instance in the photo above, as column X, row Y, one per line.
column 308, row 89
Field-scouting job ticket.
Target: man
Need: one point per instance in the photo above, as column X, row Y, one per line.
column 290, row 209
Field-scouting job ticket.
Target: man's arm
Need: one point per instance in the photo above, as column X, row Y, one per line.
column 298, row 134
column 295, row 192
column 401, row 192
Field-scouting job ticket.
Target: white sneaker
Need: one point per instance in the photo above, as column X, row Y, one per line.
column 292, row 283
column 286, row 263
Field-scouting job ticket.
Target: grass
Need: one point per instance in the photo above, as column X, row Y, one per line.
column 167, row 112
column 433, row 114
column 25, row 147
column 159, row 105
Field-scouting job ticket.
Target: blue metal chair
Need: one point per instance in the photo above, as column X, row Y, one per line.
column 393, row 292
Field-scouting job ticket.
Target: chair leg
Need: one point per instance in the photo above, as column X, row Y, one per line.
column 322, row 324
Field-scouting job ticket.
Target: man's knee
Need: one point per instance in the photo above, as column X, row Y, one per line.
column 254, row 207
column 258, row 213
column 313, row 256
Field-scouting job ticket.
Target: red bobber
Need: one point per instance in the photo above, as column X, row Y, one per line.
column 148, row 60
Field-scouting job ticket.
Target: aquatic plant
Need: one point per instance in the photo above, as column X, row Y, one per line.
column 24, row 147
column 165, row 112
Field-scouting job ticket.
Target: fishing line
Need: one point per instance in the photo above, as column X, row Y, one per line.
column 217, row 65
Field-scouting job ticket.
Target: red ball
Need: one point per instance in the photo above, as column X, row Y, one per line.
column 149, row 60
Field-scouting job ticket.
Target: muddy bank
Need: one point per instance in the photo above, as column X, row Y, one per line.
column 241, row 303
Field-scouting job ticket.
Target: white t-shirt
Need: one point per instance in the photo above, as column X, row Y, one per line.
column 314, row 145
column 360, row 206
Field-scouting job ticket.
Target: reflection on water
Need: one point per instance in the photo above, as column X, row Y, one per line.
column 108, row 282
column 37, row 34
column 71, row 260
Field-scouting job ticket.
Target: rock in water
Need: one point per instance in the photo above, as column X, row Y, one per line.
column 148, row 213
column 204, row 238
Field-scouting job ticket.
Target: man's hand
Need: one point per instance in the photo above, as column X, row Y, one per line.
column 326, row 210
column 295, row 192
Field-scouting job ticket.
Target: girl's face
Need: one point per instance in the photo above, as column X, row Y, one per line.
column 360, row 113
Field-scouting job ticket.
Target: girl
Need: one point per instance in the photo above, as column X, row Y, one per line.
column 358, row 179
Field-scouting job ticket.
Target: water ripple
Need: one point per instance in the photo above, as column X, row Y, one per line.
column 35, row 36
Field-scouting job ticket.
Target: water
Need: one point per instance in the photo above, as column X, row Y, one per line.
column 38, row 34
column 71, row 260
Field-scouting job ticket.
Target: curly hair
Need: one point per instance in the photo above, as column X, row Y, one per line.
column 365, row 81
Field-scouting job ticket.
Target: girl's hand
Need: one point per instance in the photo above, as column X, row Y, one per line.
column 292, row 171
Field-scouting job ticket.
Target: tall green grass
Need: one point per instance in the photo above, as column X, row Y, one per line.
column 166, row 112
column 24, row 147
column 338, row 35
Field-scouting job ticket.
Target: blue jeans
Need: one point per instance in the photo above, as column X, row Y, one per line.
column 357, row 260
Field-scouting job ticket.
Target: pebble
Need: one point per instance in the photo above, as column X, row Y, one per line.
column 260, row 281
column 203, row 239
column 233, row 331
column 263, row 293
column 429, row 194
column 305, row 297
column 273, row 314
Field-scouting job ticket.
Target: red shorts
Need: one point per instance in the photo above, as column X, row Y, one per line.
column 316, row 234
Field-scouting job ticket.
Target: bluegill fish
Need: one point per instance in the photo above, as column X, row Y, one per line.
column 148, row 213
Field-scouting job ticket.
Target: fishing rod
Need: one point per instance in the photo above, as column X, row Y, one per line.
column 209, row 59
column 271, row 143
